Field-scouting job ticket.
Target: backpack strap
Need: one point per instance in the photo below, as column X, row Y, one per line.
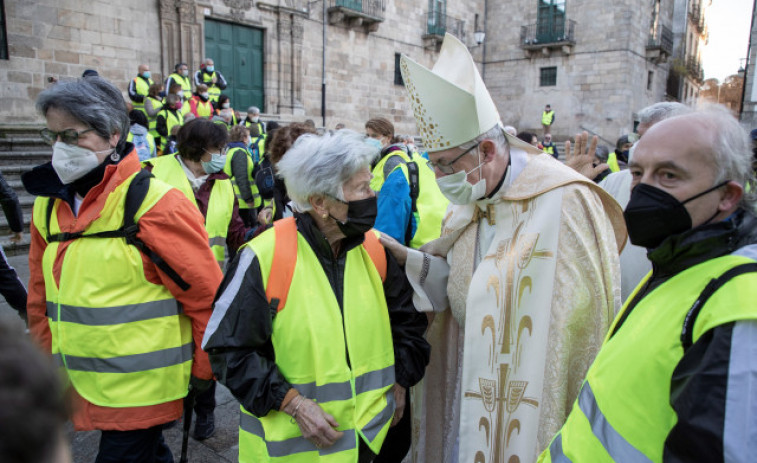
column 413, row 176
column 716, row 283
column 376, row 251
column 284, row 261
column 135, row 195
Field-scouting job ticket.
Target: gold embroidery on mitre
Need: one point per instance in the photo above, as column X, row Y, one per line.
column 427, row 128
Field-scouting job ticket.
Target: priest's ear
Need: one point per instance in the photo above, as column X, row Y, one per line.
column 488, row 150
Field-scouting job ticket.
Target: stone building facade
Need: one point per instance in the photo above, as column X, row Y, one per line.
column 749, row 104
column 595, row 62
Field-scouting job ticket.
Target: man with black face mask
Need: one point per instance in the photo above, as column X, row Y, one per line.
column 673, row 381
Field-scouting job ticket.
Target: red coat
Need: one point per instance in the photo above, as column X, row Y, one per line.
column 174, row 229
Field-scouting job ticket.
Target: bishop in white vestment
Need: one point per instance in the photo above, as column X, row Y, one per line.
column 523, row 284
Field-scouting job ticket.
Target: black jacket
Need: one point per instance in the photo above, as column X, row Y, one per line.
column 700, row 383
column 239, row 341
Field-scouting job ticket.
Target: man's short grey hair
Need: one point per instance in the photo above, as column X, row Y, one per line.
column 732, row 150
column 495, row 134
column 653, row 114
column 92, row 100
column 320, row 164
column 253, row 110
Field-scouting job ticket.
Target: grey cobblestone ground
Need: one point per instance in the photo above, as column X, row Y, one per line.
column 222, row 447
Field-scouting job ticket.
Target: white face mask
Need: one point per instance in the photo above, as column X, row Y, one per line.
column 226, row 105
column 72, row 162
column 456, row 188
column 255, row 119
column 185, row 72
column 205, row 95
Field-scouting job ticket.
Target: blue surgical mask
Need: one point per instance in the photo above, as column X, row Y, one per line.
column 210, row 68
column 374, row 143
column 146, row 74
column 216, row 163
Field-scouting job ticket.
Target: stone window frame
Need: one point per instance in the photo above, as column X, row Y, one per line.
column 548, row 76
column 397, row 72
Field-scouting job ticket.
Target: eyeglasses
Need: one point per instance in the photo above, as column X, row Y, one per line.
column 68, row 136
column 446, row 168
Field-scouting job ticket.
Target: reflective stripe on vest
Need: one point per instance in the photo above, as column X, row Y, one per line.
column 257, row 199
column 220, row 204
column 120, row 339
column 312, row 326
column 623, row 412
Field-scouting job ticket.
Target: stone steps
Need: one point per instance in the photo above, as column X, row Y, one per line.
column 21, row 149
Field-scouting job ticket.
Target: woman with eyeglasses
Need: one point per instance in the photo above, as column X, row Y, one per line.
column 314, row 330
column 121, row 276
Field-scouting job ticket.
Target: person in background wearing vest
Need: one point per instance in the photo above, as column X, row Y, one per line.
column 394, row 184
column 200, row 104
column 674, row 380
column 224, row 102
column 257, row 144
column 98, row 303
column 181, row 77
column 223, row 118
column 153, row 105
column 618, row 159
column 139, row 87
column 253, row 118
column 550, row 147
column 196, row 171
column 239, row 167
column 326, row 378
column 169, row 117
column 138, row 136
column 213, row 79
column 547, row 119
column 276, row 202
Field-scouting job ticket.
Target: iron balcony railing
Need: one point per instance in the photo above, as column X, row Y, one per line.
column 438, row 24
column 373, row 8
column 694, row 67
column 661, row 38
column 548, row 32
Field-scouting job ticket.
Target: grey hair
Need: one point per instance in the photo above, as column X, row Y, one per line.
column 731, row 149
column 253, row 110
column 653, row 114
column 495, row 134
column 320, row 164
column 92, row 100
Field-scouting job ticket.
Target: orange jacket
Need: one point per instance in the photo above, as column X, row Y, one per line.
column 174, row 229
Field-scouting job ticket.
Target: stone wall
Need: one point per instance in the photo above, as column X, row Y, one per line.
column 62, row 38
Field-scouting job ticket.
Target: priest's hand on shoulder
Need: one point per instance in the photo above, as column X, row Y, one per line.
column 400, row 394
column 582, row 158
column 395, row 247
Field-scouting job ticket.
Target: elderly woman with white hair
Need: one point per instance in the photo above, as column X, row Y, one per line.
column 314, row 330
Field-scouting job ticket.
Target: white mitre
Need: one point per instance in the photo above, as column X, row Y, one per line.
column 450, row 102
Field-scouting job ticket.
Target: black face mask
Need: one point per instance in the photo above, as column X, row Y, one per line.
column 653, row 214
column 361, row 216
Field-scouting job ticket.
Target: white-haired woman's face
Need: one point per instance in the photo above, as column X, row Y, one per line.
column 356, row 188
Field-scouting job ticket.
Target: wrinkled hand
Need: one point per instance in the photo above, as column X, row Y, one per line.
column 16, row 238
column 395, row 247
column 316, row 425
column 581, row 159
column 400, row 394
column 199, row 385
column 265, row 215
